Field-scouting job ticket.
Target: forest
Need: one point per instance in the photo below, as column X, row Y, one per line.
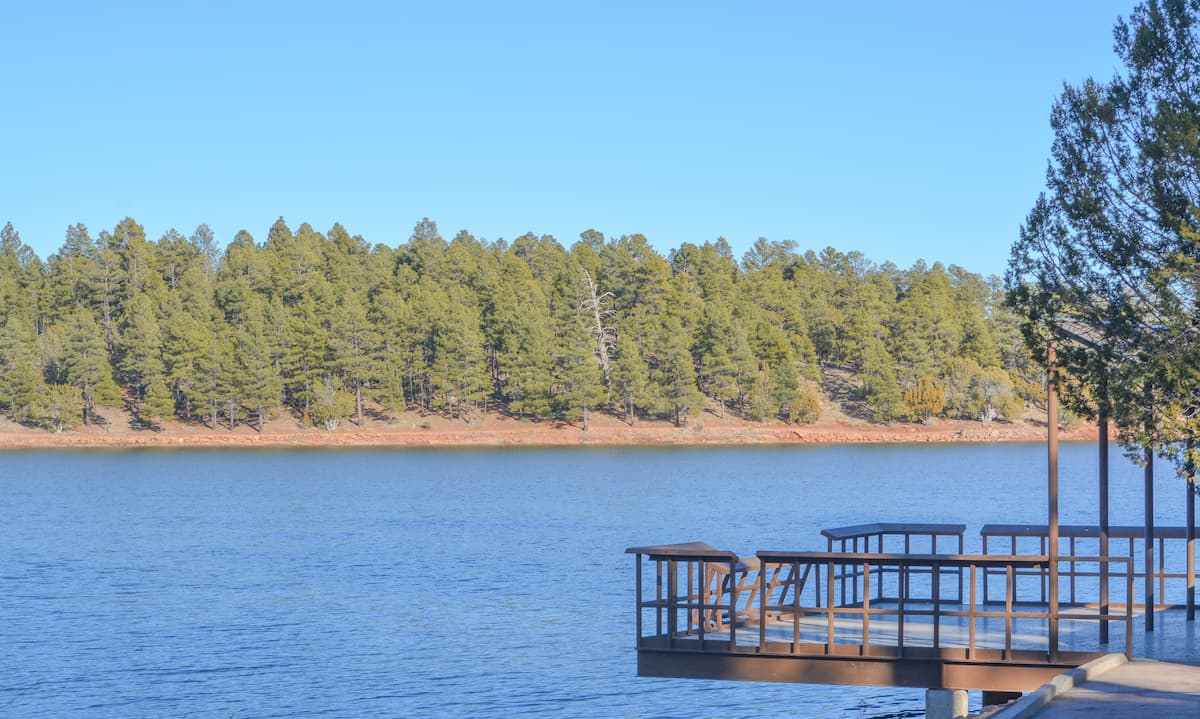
column 330, row 329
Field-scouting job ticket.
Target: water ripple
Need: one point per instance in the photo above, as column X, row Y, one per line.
column 247, row 585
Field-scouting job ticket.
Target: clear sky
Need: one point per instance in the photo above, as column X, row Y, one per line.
column 905, row 130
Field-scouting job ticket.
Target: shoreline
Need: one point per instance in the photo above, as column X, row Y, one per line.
column 500, row 431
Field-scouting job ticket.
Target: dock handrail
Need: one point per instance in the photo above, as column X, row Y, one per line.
column 934, row 565
column 1070, row 534
column 899, row 533
column 774, row 586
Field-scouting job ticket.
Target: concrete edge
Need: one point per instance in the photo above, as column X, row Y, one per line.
column 1033, row 702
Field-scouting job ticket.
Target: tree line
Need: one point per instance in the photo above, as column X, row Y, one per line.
column 331, row 329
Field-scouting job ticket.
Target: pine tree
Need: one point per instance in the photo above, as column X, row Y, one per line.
column 577, row 375
column 73, row 273
column 139, row 345
column 158, row 404
column 187, row 341
column 459, row 365
column 521, row 327
column 631, row 378
column 391, row 317
column 879, row 382
column 352, row 344
column 58, row 407
column 306, row 350
column 86, row 364
column 673, row 372
column 255, row 378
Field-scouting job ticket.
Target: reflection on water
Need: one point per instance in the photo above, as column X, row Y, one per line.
column 440, row 583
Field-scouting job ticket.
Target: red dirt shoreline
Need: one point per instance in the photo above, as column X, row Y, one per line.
column 492, row 430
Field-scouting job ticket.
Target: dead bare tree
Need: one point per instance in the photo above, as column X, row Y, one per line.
column 599, row 309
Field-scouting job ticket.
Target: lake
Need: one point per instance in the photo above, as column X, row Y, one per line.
column 447, row 583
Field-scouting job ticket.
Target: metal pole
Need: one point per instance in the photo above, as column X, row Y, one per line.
column 1148, row 493
column 1052, row 489
column 1103, row 480
column 1191, row 531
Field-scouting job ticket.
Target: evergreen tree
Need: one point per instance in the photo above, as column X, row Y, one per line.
column 458, row 365
column 139, row 346
column 391, row 317
column 187, row 342
column 158, row 405
column 86, row 364
column 352, row 344
column 1111, row 248
column 255, row 378
column 673, row 372
column 631, row 378
column 580, row 385
column 58, row 407
column 521, row 330
column 879, row 382
column 73, row 273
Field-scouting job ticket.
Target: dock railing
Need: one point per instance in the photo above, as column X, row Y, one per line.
column 921, row 618
column 893, row 538
column 1172, row 550
column 696, row 598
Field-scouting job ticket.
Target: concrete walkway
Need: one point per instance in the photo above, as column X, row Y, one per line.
column 1141, row 689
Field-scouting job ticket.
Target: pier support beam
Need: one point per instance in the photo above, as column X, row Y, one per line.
column 945, row 703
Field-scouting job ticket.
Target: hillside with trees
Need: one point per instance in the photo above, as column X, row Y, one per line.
column 328, row 329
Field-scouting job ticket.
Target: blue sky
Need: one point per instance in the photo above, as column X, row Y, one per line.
column 904, row 130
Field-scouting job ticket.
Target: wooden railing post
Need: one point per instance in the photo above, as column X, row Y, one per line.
column 935, row 570
column 971, row 615
column 796, row 607
column 1009, row 589
column 658, row 598
column 733, row 596
column 762, row 604
column 672, row 602
column 866, row 615
column 1129, row 608
column 638, row 601
column 902, row 581
column 690, row 610
column 829, row 609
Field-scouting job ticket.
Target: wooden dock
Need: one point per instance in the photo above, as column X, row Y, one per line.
column 898, row 616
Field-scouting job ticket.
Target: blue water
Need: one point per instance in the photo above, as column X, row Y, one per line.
column 492, row 583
